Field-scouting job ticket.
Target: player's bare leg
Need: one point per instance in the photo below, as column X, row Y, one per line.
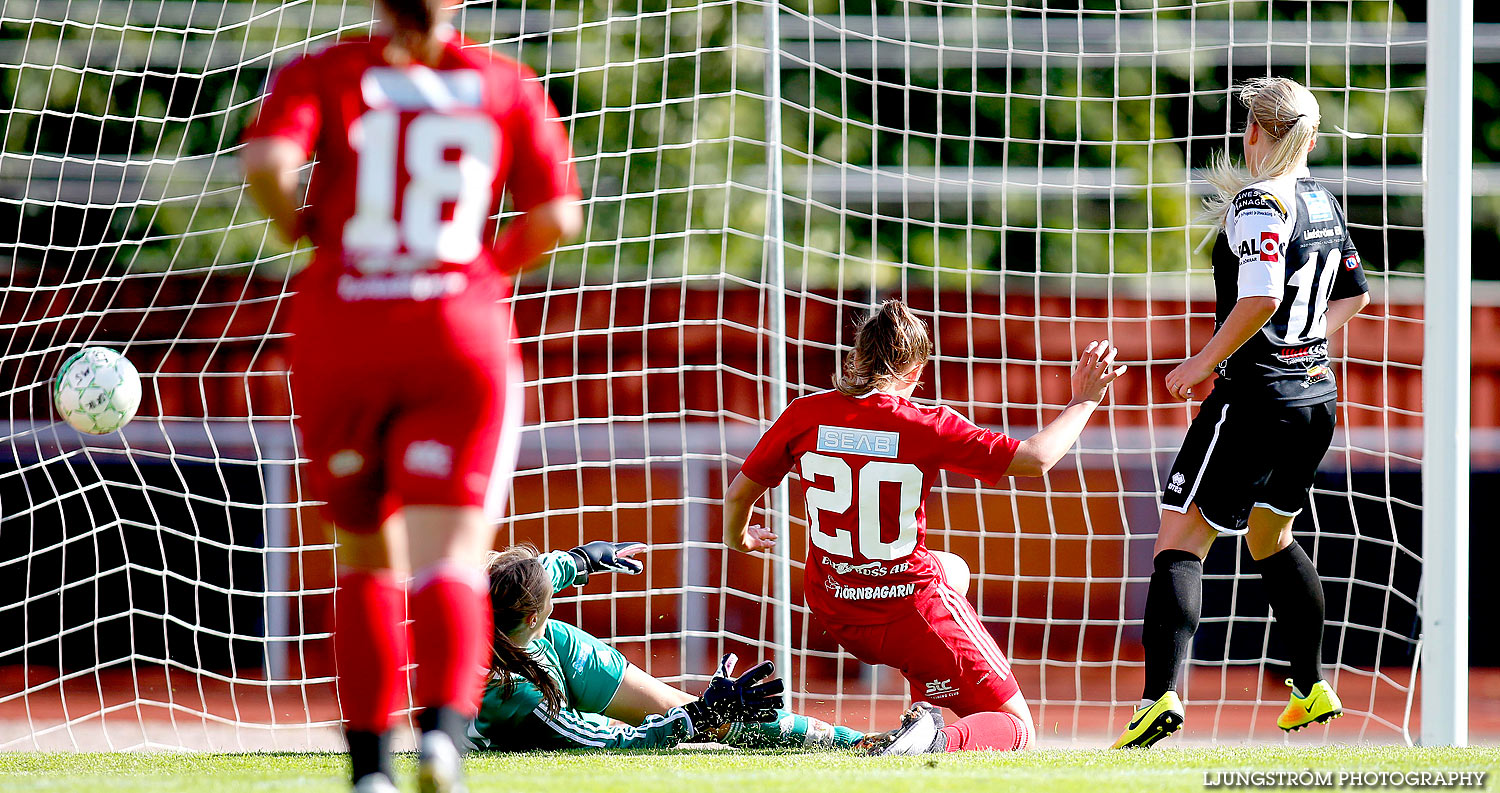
column 1296, row 594
column 1269, row 533
column 1185, row 531
column 370, row 648
column 641, row 695
column 1174, row 603
column 1016, row 706
column 450, row 611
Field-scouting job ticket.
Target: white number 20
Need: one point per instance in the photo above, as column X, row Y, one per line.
column 376, row 232
column 831, row 487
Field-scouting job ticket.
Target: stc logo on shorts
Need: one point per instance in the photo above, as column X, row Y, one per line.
column 937, row 689
column 1270, row 245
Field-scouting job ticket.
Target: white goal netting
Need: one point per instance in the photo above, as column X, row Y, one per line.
column 755, row 177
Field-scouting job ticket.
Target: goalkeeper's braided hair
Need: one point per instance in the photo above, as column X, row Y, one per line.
column 519, row 588
column 414, row 37
column 887, row 344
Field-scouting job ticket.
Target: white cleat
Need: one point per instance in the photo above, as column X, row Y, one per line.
column 440, row 766
column 375, row 783
column 917, row 734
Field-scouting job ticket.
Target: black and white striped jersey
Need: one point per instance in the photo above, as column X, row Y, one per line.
column 1285, row 238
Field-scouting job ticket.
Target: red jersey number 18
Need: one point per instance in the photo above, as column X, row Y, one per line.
column 436, row 179
column 831, row 488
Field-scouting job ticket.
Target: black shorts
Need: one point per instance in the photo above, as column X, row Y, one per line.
column 1248, row 453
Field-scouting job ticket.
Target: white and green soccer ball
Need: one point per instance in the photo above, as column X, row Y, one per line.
column 97, row 391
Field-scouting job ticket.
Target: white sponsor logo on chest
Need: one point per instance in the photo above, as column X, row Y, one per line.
column 421, row 88
column 1319, row 209
column 847, row 440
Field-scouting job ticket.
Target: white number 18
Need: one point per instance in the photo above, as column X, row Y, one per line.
column 378, row 231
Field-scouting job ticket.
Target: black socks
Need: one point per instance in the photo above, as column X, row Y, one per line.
column 1296, row 595
column 1174, row 603
column 369, row 752
column 445, row 720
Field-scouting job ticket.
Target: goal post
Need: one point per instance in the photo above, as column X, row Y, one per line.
column 1446, row 373
column 774, row 278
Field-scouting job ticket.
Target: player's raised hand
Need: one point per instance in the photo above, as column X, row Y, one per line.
column 758, row 538
column 603, row 556
column 1095, row 371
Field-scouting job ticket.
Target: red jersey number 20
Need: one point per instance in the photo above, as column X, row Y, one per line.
column 448, row 160
column 832, row 486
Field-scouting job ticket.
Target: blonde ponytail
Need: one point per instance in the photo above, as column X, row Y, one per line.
column 1284, row 110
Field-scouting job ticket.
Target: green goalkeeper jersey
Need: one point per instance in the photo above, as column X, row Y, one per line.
column 588, row 672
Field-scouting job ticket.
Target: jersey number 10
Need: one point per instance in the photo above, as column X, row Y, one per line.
column 381, row 229
column 831, row 487
column 1310, row 288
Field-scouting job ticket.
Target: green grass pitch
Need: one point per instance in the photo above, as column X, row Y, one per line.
column 1063, row 771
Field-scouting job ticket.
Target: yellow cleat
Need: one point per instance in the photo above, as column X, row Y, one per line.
column 1320, row 705
column 1152, row 723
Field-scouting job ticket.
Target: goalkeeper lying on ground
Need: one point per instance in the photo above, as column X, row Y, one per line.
column 553, row 686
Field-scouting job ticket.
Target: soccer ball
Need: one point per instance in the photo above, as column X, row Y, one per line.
column 97, row 391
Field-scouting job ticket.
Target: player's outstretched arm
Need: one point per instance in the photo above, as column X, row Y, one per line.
column 1091, row 378
column 739, row 499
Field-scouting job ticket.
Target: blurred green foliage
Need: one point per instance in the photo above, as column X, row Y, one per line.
column 666, row 101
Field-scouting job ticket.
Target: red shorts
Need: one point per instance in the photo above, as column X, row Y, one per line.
column 941, row 648
column 439, row 430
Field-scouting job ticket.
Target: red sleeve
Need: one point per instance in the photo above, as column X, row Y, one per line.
column 771, row 459
column 290, row 109
column 966, row 448
column 541, row 167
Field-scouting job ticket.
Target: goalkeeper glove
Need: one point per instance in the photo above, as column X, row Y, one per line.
column 603, row 556
column 747, row 698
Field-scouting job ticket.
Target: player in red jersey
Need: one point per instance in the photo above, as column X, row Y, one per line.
column 867, row 457
column 406, row 377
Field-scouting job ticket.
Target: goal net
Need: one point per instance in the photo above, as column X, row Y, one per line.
column 755, row 177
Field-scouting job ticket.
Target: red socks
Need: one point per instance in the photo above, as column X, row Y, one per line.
column 991, row 730
column 451, row 626
column 369, row 648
